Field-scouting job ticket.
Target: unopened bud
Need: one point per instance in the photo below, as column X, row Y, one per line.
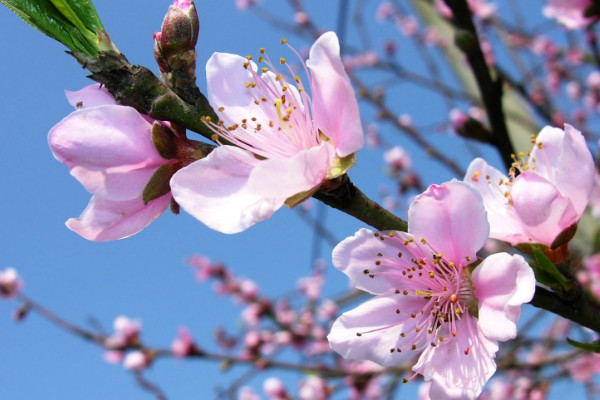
column 179, row 32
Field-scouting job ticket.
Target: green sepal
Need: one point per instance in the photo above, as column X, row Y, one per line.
column 341, row 165
column 593, row 347
column 158, row 184
column 547, row 273
column 74, row 23
column 164, row 140
column 298, row 198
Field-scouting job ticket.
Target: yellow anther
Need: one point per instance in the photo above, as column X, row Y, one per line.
column 264, row 69
column 282, row 60
column 283, row 41
column 221, row 109
column 248, row 57
column 261, row 50
column 261, row 59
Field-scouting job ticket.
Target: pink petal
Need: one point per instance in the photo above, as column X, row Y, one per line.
column 215, row 191
column 373, row 264
column 543, row 211
column 566, row 161
column 105, row 220
column 504, row 223
column 452, row 219
column 226, row 80
column 456, row 372
column 335, row 108
column 108, row 149
column 285, row 177
column 502, row 284
column 90, row 96
column 377, row 314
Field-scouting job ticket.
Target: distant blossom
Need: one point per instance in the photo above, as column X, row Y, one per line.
column 570, row 13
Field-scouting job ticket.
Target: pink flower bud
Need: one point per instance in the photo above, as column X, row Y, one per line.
column 10, row 283
column 137, row 361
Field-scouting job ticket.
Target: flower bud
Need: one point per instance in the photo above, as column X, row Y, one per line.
column 178, row 35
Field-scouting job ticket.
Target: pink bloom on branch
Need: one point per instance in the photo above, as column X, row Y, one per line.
column 547, row 197
column 570, row 13
column 10, row 283
column 427, row 299
column 108, row 148
column 287, row 143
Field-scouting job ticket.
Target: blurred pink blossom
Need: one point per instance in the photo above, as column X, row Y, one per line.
column 10, row 283
column 137, row 360
column 570, row 13
column 184, row 344
column 397, row 158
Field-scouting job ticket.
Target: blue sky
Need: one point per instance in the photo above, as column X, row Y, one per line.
column 144, row 276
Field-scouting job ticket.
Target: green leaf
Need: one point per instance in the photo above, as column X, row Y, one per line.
column 74, row 23
column 158, row 184
column 547, row 273
column 593, row 347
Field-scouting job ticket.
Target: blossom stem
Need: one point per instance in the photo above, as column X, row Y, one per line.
column 579, row 309
column 340, row 193
column 467, row 40
column 138, row 87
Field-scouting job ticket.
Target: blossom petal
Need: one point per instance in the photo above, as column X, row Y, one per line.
column 492, row 185
column 226, row 80
column 372, row 329
column 565, row 160
column 543, row 211
column 458, row 373
column 452, row 219
column 335, row 108
column 285, row 177
column 105, row 220
column 108, row 149
column 502, row 284
column 90, row 96
column 375, row 265
column 215, row 191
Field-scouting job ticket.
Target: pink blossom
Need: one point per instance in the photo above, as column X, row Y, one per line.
column 570, row 13
column 246, row 393
column 109, row 150
column 313, row 388
column 479, row 8
column 427, row 300
column 10, row 283
column 397, row 158
column 287, row 144
column 583, row 367
column 274, row 389
column 244, row 4
column 127, row 333
column 547, row 197
column 137, row 361
column 184, row 344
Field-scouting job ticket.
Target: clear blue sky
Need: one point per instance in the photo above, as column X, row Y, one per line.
column 144, row 276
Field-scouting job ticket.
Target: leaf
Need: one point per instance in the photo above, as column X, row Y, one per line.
column 73, row 23
column 158, row 184
column 593, row 347
column 547, row 273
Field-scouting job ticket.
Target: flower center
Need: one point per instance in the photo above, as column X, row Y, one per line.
column 279, row 121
